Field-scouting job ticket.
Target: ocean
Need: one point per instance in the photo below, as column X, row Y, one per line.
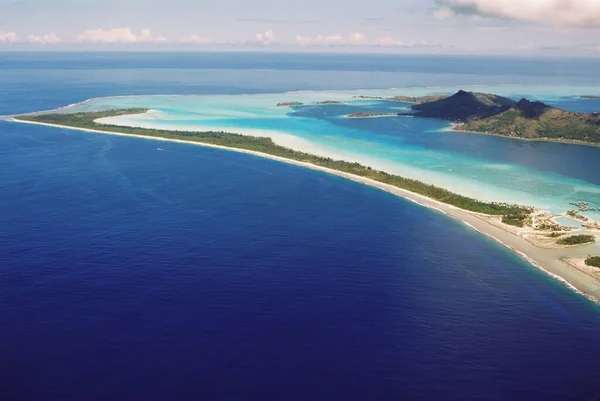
column 128, row 273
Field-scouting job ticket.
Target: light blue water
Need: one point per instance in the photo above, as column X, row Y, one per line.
column 568, row 222
column 547, row 176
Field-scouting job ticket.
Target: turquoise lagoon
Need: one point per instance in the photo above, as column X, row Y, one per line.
column 545, row 175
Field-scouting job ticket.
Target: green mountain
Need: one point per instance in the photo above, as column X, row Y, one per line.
column 463, row 106
column 493, row 114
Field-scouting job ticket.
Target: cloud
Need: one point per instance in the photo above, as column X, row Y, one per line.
column 356, row 38
column 359, row 39
column 571, row 13
column 303, row 40
column 8, row 37
column 336, row 39
column 49, row 38
column 118, row 35
column 265, row 38
column 388, row 41
column 197, row 40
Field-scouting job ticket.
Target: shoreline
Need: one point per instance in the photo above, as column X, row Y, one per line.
column 549, row 261
column 377, row 116
column 453, row 128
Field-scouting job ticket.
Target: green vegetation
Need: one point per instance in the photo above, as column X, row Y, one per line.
column 418, row 100
column 593, row 261
column 575, row 215
column 290, row 104
column 576, row 240
column 330, row 102
column 492, row 114
column 364, row 114
column 405, row 99
column 463, row 106
column 516, row 219
column 548, row 226
column 555, row 234
column 535, row 120
column 266, row 145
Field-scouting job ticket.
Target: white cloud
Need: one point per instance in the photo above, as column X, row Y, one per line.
column 118, row 35
column 49, row 38
column 8, row 37
column 197, row 40
column 578, row 13
column 265, row 38
column 303, row 40
column 357, row 38
column 388, row 41
column 335, row 39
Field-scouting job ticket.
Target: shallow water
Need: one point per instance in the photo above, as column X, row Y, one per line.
column 544, row 175
column 568, row 222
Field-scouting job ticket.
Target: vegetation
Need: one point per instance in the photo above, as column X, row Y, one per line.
column 463, row 106
column 516, row 219
column 406, row 99
column 492, row 114
column 576, row 240
column 535, row 120
column 290, row 104
column 573, row 214
column 547, row 226
column 363, row 114
column 593, row 261
column 266, row 145
column 556, row 234
column 330, row 102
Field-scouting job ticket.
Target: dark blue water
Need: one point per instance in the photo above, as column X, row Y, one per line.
column 196, row 274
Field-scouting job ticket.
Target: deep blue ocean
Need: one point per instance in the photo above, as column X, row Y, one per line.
column 199, row 274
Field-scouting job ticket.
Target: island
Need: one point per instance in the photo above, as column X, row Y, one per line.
column 593, row 261
column 521, row 228
column 283, row 104
column 370, row 114
column 92, row 121
column 325, row 102
column 589, row 97
column 497, row 115
column 405, row 99
column 577, row 240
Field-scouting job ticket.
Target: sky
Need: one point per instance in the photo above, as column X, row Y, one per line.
column 527, row 27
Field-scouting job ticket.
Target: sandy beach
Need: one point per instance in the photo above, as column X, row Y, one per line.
column 551, row 261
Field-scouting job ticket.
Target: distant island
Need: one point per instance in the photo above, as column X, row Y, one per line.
column 589, row 97
column 290, row 104
column 405, row 99
column 497, row 115
column 369, row 114
column 330, row 102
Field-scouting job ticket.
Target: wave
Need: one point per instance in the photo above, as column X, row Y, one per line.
column 535, row 264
